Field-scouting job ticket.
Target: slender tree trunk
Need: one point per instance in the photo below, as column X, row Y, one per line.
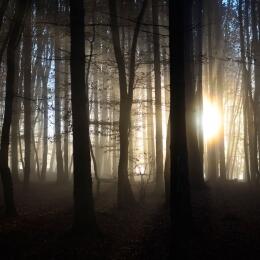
column 84, row 215
column 125, row 196
column 256, row 103
column 45, row 127
column 3, row 7
column 45, row 79
column 15, row 125
column 12, row 46
column 199, row 79
column 59, row 160
column 220, row 47
column 211, row 146
column 195, row 159
column 27, row 99
column 150, row 114
column 222, row 160
column 158, row 99
column 66, row 122
column 95, row 169
column 245, row 91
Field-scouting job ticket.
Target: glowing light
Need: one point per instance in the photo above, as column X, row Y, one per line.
column 140, row 170
column 211, row 120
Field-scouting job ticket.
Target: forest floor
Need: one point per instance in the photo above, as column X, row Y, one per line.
column 226, row 225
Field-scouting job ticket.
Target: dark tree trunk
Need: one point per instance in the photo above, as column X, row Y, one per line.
column 15, row 123
column 158, row 99
column 252, row 133
column 45, row 126
column 27, row 99
column 3, row 7
column 222, row 159
column 195, row 158
column 10, row 80
column 125, row 196
column 66, row 122
column 256, row 56
column 59, row 160
column 84, row 214
column 45, row 79
column 150, row 117
column 245, row 90
column 199, row 96
column 180, row 191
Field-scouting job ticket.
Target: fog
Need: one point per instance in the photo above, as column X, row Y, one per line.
column 127, row 126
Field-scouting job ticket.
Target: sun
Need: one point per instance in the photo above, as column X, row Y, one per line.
column 211, row 120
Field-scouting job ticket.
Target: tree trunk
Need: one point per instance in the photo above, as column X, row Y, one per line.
column 3, row 7
column 45, row 126
column 211, row 146
column 27, row 99
column 220, row 47
column 66, row 122
column 150, row 114
column 245, row 76
column 180, row 191
column 84, row 215
column 125, row 196
column 158, row 101
column 167, row 167
column 194, row 155
column 15, row 124
column 59, row 160
column 12, row 46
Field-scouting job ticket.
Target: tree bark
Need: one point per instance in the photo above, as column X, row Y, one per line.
column 150, row 114
column 4, row 150
column 211, row 146
column 84, row 215
column 66, row 122
column 158, row 99
column 59, row 159
column 180, row 191
column 3, row 7
column 194, row 153
column 27, row 99
column 245, row 78
column 15, row 123
column 125, row 196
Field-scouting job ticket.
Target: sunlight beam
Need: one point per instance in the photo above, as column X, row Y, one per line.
column 211, row 120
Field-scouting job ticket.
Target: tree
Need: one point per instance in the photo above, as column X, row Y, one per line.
column 45, row 76
column 27, row 49
column 193, row 100
column 3, row 7
column 15, row 122
column 211, row 145
column 125, row 195
column 84, row 214
column 61, row 178
column 180, row 192
column 158, row 99
column 14, row 38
